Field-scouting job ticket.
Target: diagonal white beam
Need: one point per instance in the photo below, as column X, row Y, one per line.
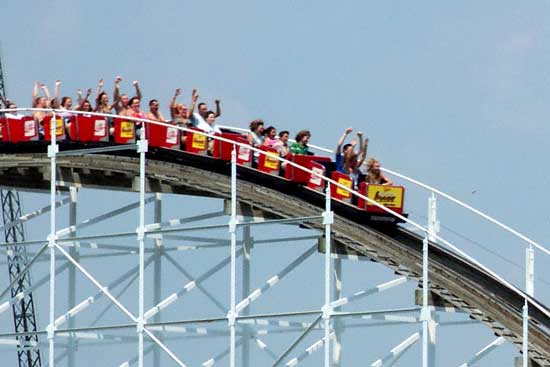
column 296, row 342
column 34, row 214
column 23, row 271
column 397, row 350
column 309, row 351
column 199, row 286
column 367, row 292
column 188, row 287
column 263, row 346
column 6, row 305
column 103, row 289
column 100, row 218
column 212, row 361
column 165, row 348
column 177, row 222
column 92, row 299
column 275, row 279
column 482, row 353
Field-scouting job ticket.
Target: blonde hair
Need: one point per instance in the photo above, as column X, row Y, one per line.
column 371, row 177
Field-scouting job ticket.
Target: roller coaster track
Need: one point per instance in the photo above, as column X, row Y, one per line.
column 455, row 279
column 454, row 276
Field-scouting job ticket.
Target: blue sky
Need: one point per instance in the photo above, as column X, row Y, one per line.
column 455, row 94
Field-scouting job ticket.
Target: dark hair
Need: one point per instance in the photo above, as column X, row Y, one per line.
column 200, row 104
column 301, row 135
column 132, row 100
column 152, row 101
column 268, row 130
column 99, row 97
column 208, row 113
column 82, row 106
column 255, row 124
column 64, row 99
column 346, row 146
column 283, row 133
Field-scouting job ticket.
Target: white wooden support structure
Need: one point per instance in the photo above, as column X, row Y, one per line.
column 53, row 148
column 530, row 290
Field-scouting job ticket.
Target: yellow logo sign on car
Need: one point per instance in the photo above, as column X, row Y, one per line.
column 126, row 129
column 389, row 196
column 199, row 142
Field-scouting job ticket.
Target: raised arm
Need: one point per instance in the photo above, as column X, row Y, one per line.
column 363, row 150
column 98, row 90
column 116, row 93
column 46, row 94
column 194, row 98
column 55, row 100
column 35, row 93
column 218, row 108
column 138, row 91
column 173, row 103
column 342, row 139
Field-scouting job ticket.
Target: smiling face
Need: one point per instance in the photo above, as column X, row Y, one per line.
column 260, row 129
column 154, row 106
column 135, row 104
column 124, row 100
column 210, row 118
column 284, row 138
column 376, row 168
column 41, row 102
column 272, row 134
column 203, row 109
column 104, row 99
column 67, row 103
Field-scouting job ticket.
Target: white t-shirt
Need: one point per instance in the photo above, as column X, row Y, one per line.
column 200, row 123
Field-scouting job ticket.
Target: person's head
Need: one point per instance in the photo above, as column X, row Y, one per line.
column 283, row 136
column 346, row 148
column 11, row 105
column 154, row 105
column 303, row 137
column 257, row 126
column 124, row 100
column 103, row 98
column 373, row 165
column 350, row 159
column 40, row 102
column 181, row 109
column 270, row 132
column 86, row 106
column 210, row 117
column 66, row 102
column 203, row 109
column 134, row 103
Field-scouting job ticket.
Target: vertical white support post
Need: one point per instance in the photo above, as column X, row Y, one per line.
column 433, row 222
column 248, row 242
column 74, row 252
column 433, row 230
column 328, row 220
column 142, row 149
column 52, row 151
column 157, row 292
column 425, row 313
column 530, row 290
column 231, row 315
column 337, row 323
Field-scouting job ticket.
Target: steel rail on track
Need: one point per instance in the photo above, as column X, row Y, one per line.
column 419, row 227
column 527, row 298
